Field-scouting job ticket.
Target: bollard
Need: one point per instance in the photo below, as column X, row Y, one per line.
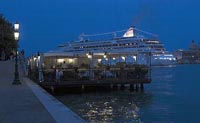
column 82, row 88
column 142, row 87
column 131, row 87
column 122, row 87
column 137, row 88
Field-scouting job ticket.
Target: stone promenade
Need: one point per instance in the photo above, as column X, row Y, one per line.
column 18, row 104
column 21, row 104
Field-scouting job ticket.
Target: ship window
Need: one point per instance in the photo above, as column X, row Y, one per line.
column 76, row 47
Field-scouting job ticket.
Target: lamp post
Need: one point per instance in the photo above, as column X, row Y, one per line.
column 150, row 63
column 91, row 65
column 16, row 80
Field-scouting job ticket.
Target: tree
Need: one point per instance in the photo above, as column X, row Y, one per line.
column 7, row 41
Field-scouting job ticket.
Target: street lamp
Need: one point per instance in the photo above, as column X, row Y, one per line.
column 16, row 26
column 16, row 80
column 16, row 35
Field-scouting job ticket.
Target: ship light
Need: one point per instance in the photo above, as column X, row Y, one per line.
column 129, row 33
column 134, row 57
column 123, row 57
column 105, row 55
column 114, row 58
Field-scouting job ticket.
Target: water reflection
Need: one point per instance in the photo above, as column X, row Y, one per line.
column 162, row 108
column 173, row 93
column 163, row 73
column 110, row 107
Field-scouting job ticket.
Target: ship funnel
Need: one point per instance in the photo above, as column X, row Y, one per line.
column 129, row 33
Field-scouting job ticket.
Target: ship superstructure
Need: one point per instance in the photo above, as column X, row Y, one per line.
column 137, row 46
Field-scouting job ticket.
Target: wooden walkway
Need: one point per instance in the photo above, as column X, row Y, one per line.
column 134, row 84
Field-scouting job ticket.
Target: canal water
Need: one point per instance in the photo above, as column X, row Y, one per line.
column 172, row 97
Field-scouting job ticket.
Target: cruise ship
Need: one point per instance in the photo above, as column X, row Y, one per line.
column 138, row 47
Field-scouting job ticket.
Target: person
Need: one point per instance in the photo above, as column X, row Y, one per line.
column 3, row 55
column 61, row 74
column 22, row 53
column 64, row 65
column 0, row 54
column 57, row 75
column 11, row 56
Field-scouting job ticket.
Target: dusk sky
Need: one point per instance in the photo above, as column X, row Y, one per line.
column 48, row 23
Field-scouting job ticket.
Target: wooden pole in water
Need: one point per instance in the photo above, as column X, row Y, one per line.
column 82, row 88
column 142, row 86
column 52, row 89
column 131, row 87
column 137, row 87
column 111, row 86
column 122, row 87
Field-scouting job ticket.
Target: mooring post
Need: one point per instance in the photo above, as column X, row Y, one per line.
column 111, row 86
column 142, row 86
column 82, row 88
column 136, row 87
column 115, row 87
column 52, row 89
column 131, row 87
column 122, row 87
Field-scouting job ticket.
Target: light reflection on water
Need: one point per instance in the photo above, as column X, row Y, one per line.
column 172, row 97
column 109, row 107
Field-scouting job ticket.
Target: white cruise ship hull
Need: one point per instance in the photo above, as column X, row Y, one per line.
column 162, row 62
column 157, row 59
column 130, row 48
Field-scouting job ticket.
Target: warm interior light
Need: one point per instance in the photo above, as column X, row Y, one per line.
column 89, row 56
column 99, row 60
column 38, row 57
column 71, row 60
column 60, row 60
column 105, row 55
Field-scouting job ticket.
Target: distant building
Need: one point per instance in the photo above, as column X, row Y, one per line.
column 190, row 56
column 194, row 46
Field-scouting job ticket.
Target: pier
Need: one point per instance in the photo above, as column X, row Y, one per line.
column 82, row 85
column 87, row 72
